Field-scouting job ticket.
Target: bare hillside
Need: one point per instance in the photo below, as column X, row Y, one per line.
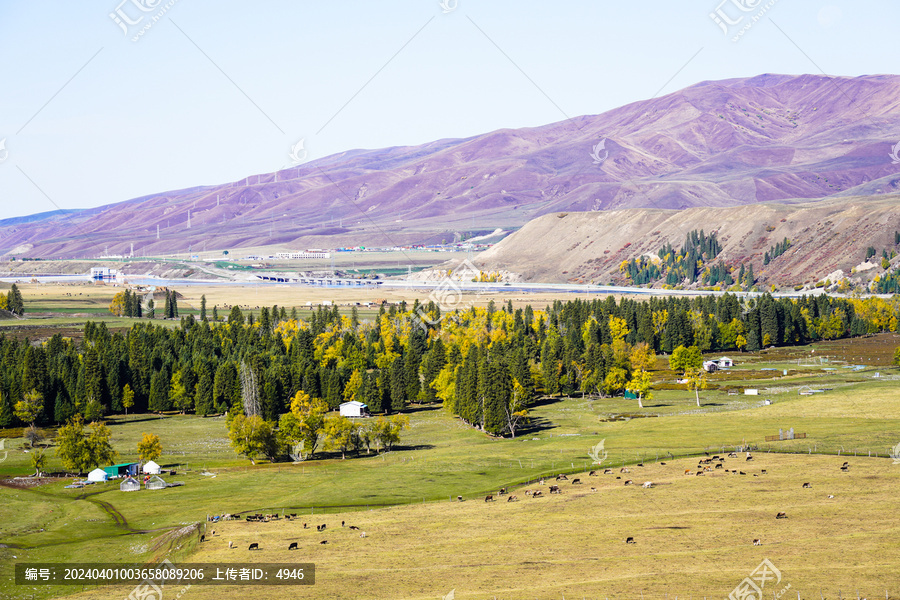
column 590, row 246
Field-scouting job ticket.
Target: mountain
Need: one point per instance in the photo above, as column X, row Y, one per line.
column 824, row 237
column 769, row 138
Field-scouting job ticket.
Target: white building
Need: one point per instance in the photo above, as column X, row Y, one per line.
column 725, row 362
column 304, row 254
column 354, row 409
column 151, row 467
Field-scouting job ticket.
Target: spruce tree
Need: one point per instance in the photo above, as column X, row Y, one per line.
column 203, row 307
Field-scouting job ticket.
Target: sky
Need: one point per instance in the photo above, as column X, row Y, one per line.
column 103, row 101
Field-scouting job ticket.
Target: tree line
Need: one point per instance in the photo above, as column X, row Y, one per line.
column 484, row 364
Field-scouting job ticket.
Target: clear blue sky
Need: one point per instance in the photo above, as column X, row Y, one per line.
column 215, row 91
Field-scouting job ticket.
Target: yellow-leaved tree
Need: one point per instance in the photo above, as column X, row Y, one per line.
column 149, row 448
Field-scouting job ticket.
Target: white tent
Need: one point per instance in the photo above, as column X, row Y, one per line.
column 354, row 409
column 151, row 467
column 130, row 484
column 97, row 475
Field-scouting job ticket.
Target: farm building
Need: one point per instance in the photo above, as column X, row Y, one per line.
column 155, row 483
column 725, row 362
column 151, row 467
column 354, row 409
column 121, row 469
column 98, row 475
column 710, row 366
column 129, row 484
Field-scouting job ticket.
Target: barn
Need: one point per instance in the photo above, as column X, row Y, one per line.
column 129, row 484
column 155, row 483
column 354, row 409
column 122, row 470
column 151, row 467
column 97, row 475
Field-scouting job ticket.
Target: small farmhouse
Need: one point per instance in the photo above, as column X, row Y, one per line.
column 122, row 470
column 354, row 409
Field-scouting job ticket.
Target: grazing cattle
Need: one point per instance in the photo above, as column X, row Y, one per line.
column 293, row 546
column 732, row 455
column 561, row 477
column 763, row 471
column 354, row 527
column 542, row 481
column 757, row 542
column 363, row 534
column 554, row 489
column 781, row 515
column 527, row 492
column 647, row 484
column 593, row 489
column 592, row 474
column 305, row 526
column 512, row 498
column 807, row 485
column 202, row 538
column 502, row 491
column 293, row 515
column 742, row 473
column 488, row 498
column 576, row 481
column 230, row 545
column 459, row 499
column 845, row 468
column 618, row 478
column 846, row 464
column 607, row 471
column 342, row 523
column 830, row 497
column 630, row 540
column 699, row 473
column 213, row 532
column 719, row 466
column 749, row 457
column 624, row 470
column 254, row 546
column 688, row 472
column 628, row 482
column 640, row 464
column 537, row 494
column 324, row 542
column 663, row 464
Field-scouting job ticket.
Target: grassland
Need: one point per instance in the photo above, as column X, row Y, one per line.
column 693, row 533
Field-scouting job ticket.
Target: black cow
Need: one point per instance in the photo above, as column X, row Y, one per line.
column 630, row 540
column 254, row 546
column 293, row 546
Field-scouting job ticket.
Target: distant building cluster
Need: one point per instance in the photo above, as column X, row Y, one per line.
column 303, row 254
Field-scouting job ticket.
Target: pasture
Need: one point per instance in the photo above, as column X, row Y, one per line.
column 693, row 533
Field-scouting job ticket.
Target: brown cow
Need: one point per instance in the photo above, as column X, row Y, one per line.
column 628, row 482
column 592, row 474
column 576, row 481
column 354, row 527
column 554, row 489
column 562, row 477
column 718, row 465
column 781, row 515
column 512, row 498
column 757, row 542
column 624, row 470
column 324, row 542
column 537, row 494
column 607, row 471
column 488, row 498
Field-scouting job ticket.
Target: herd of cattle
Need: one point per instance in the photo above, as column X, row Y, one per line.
column 704, row 465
